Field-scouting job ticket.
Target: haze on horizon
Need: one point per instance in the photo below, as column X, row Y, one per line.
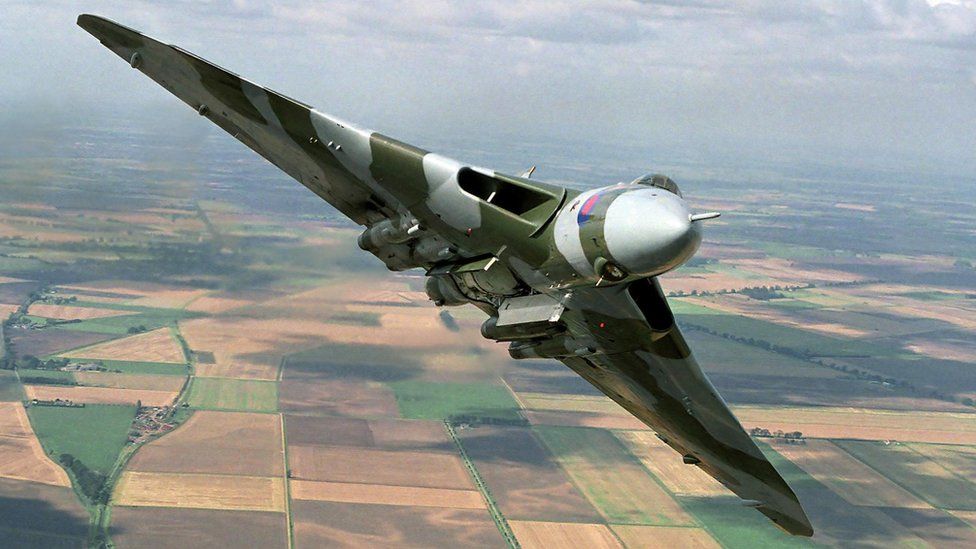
column 875, row 82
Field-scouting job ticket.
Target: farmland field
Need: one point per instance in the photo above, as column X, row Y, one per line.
column 68, row 312
column 961, row 460
column 659, row 459
column 935, row 427
column 178, row 528
column 155, row 346
column 10, row 390
column 23, row 458
column 227, row 443
column 232, row 492
column 100, row 395
column 526, row 481
column 611, row 479
column 134, row 367
column 571, row 403
column 234, row 394
column 51, row 341
column 367, row 465
column 93, row 434
column 934, row 483
column 848, row 477
column 540, row 535
column 374, row 433
column 303, row 394
column 385, row 494
column 423, row 400
column 145, row 382
column 663, row 537
column 40, row 516
column 327, row 524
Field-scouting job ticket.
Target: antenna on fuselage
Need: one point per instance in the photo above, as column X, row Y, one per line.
column 703, row 216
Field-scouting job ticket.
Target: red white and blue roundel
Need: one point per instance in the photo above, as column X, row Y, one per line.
column 587, row 209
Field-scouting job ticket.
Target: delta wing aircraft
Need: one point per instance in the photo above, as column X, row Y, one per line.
column 561, row 274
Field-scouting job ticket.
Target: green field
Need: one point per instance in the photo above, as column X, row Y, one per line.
column 425, row 400
column 611, row 478
column 784, row 336
column 916, row 473
column 736, row 526
column 94, row 434
column 733, row 357
column 46, row 376
column 792, row 304
column 214, row 393
column 934, row 295
column 9, row 387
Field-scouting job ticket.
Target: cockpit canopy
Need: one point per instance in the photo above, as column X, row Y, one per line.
column 659, row 181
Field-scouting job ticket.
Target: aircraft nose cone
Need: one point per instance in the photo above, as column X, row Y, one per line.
column 650, row 232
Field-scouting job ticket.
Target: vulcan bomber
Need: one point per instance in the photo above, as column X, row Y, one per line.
column 561, row 274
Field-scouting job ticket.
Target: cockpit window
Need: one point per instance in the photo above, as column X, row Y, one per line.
column 659, row 181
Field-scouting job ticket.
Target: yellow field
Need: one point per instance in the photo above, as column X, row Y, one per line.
column 667, row 466
column 944, row 350
column 215, row 305
column 742, row 305
column 959, row 459
column 858, row 423
column 548, row 535
column 68, row 312
column 22, row 457
column 787, row 271
column 663, row 537
column 200, row 491
column 386, row 494
column 169, row 299
column 571, row 403
column 146, row 382
column 7, row 308
column 617, row 486
column 847, row 476
column 249, row 348
column 578, row 419
column 967, row 516
column 155, row 346
column 678, row 281
column 100, row 395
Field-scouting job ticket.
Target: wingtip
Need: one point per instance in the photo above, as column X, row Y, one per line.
column 87, row 20
column 793, row 521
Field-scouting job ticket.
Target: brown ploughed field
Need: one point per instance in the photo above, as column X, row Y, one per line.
column 230, row 443
column 174, row 528
column 367, row 465
column 154, row 346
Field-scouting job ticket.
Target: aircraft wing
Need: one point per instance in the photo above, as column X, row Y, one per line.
column 637, row 356
column 330, row 157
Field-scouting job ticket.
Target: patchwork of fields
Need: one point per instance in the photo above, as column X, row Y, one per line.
column 216, row 363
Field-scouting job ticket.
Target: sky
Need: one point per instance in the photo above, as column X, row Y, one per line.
column 889, row 82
